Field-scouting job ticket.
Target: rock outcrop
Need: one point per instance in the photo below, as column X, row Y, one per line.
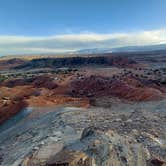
column 95, row 148
column 63, row 137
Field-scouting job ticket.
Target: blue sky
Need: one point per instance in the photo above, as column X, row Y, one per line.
column 74, row 23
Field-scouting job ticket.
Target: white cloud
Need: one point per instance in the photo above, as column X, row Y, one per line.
column 72, row 42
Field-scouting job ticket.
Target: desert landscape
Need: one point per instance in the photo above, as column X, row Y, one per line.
column 83, row 110
column 82, row 83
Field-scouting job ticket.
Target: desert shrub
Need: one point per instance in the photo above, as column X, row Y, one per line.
column 2, row 78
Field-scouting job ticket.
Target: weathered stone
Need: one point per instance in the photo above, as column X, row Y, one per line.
column 70, row 158
column 40, row 157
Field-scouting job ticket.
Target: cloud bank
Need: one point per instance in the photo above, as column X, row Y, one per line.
column 71, row 42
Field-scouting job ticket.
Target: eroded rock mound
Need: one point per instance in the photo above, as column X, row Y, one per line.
column 127, row 91
column 95, row 148
column 97, row 86
column 10, row 109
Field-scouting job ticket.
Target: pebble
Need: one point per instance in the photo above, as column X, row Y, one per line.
column 118, row 120
column 42, row 143
column 54, row 139
column 36, row 148
column 57, row 133
column 129, row 120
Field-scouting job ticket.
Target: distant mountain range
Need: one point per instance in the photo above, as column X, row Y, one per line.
column 123, row 49
column 148, row 48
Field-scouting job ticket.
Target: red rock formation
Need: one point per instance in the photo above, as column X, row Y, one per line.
column 44, row 82
column 96, row 86
column 10, row 109
column 123, row 90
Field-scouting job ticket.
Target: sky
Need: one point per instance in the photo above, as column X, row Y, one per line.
column 57, row 26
